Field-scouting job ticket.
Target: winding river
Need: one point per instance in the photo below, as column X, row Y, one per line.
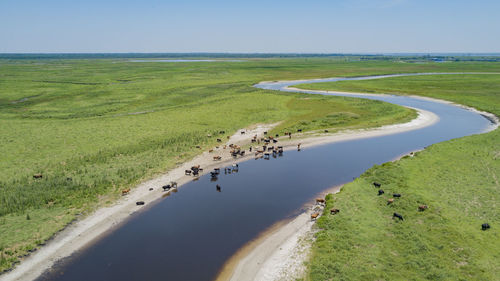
column 190, row 234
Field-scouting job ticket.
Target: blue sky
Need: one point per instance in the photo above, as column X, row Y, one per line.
column 319, row 26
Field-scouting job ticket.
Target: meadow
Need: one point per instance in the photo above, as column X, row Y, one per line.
column 458, row 180
column 93, row 127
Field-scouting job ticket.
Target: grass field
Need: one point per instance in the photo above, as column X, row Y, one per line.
column 95, row 126
column 457, row 179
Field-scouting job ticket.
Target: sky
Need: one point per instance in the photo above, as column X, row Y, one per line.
column 257, row 26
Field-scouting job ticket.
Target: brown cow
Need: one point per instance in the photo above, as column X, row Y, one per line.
column 217, row 158
column 334, row 211
column 320, row 201
column 210, row 150
column 422, row 208
column 37, row 176
column 125, row 191
column 314, row 216
column 390, row 201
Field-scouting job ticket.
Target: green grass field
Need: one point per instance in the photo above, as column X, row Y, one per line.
column 95, row 126
column 457, row 179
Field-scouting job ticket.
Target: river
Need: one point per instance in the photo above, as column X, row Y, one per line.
column 190, row 234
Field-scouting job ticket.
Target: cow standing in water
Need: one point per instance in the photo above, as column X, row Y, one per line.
column 218, row 188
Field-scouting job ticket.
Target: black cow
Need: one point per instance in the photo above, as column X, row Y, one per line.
column 138, row 203
column 166, row 187
column 396, row 195
column 187, row 172
column 485, row 226
column 396, row 215
column 376, row 184
column 380, row 192
column 218, row 188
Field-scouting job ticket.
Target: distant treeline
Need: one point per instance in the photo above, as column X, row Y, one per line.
column 404, row 57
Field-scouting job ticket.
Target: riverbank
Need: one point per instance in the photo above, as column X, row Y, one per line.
column 279, row 253
column 83, row 232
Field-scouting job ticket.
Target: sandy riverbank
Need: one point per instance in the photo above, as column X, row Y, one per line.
column 83, row 232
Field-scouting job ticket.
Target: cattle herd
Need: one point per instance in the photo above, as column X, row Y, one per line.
column 265, row 151
column 322, row 202
column 421, row 208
